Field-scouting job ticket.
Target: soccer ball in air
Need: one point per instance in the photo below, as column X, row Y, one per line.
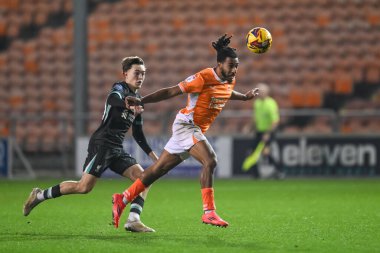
column 259, row 40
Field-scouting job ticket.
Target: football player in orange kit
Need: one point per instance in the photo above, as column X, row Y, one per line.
column 208, row 91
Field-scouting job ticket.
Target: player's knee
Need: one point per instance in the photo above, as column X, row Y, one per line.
column 135, row 175
column 210, row 164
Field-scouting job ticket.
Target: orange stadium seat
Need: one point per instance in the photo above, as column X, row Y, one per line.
column 373, row 74
column 3, row 27
column 374, row 126
column 33, row 136
column 313, row 98
column 31, row 66
column 3, row 60
column 4, row 128
column 10, row 4
column 32, row 106
column 373, row 18
column 313, row 44
column 20, row 131
column 343, row 83
column 296, row 97
column 64, row 105
column 51, row 133
column 291, row 129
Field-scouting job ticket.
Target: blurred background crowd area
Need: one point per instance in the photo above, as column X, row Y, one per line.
column 323, row 67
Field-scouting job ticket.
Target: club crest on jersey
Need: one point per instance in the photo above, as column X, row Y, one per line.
column 118, row 87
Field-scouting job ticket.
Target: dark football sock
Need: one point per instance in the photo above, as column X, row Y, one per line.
column 52, row 192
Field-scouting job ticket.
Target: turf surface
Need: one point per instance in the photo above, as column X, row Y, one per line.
column 265, row 216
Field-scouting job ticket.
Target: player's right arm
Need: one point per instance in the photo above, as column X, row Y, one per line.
column 115, row 97
column 162, row 94
column 192, row 84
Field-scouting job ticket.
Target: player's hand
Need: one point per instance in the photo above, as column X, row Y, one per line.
column 153, row 156
column 266, row 137
column 266, row 151
column 252, row 93
column 137, row 109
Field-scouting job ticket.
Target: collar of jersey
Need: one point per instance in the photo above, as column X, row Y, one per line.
column 126, row 86
column 217, row 77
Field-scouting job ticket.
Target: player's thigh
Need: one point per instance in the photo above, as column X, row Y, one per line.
column 166, row 161
column 203, row 152
column 97, row 161
column 163, row 165
column 121, row 163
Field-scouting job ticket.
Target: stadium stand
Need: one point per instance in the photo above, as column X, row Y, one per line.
column 322, row 52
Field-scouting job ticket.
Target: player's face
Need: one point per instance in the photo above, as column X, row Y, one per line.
column 229, row 68
column 135, row 76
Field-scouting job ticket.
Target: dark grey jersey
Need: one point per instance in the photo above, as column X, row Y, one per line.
column 117, row 119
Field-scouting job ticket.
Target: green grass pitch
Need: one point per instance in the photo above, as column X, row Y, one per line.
column 265, row 216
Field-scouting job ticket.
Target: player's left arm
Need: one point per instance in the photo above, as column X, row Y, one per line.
column 235, row 95
column 139, row 136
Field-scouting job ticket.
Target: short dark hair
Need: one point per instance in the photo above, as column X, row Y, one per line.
column 222, row 49
column 127, row 62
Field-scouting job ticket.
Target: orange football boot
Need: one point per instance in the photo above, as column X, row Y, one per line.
column 213, row 219
column 117, row 209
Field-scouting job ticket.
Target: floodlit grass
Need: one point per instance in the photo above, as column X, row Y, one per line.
column 265, row 216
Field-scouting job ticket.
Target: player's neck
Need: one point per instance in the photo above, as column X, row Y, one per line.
column 218, row 72
column 131, row 87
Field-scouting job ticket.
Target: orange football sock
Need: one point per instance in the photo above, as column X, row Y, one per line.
column 208, row 199
column 135, row 189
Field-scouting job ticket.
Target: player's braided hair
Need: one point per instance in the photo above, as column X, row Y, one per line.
column 222, row 48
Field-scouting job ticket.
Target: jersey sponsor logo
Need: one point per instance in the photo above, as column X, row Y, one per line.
column 190, row 78
column 217, row 103
column 128, row 116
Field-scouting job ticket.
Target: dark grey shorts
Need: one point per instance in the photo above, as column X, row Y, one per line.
column 99, row 158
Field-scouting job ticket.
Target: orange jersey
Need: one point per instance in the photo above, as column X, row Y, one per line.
column 207, row 95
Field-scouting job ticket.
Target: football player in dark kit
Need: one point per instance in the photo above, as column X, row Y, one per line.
column 105, row 148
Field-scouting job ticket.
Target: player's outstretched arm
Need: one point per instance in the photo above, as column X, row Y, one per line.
column 132, row 101
column 162, row 94
column 247, row 96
